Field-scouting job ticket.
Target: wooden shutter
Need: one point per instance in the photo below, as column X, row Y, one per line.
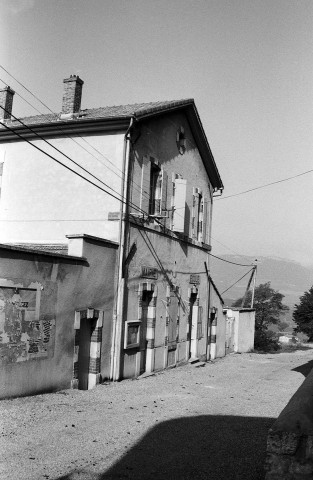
column 179, row 205
column 163, row 206
column 193, row 213
column 145, row 184
column 205, row 219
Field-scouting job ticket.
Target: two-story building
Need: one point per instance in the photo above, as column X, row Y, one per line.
column 141, row 176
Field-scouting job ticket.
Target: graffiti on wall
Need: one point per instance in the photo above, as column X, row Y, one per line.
column 24, row 335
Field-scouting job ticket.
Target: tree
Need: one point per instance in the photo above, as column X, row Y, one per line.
column 268, row 310
column 267, row 303
column 303, row 314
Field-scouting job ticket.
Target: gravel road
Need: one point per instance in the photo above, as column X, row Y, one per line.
column 185, row 423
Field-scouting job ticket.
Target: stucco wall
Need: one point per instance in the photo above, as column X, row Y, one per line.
column 64, row 285
column 244, row 324
column 245, row 342
column 50, row 201
column 172, row 263
column 158, row 140
column 171, row 256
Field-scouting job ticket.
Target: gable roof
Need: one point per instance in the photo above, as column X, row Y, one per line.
column 115, row 117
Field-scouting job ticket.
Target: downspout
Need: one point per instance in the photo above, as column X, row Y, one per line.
column 115, row 368
column 208, row 324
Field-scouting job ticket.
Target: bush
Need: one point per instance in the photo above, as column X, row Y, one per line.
column 266, row 341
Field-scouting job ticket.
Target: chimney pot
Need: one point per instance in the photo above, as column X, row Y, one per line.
column 72, row 95
column 6, row 102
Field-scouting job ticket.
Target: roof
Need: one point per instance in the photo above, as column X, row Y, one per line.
column 46, row 250
column 137, row 110
column 115, row 117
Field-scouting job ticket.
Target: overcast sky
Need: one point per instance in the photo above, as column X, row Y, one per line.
column 247, row 63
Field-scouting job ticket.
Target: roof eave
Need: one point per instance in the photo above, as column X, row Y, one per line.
column 116, row 124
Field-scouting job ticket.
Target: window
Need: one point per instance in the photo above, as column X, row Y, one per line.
column 178, row 203
column 155, row 190
column 132, row 334
column 199, row 215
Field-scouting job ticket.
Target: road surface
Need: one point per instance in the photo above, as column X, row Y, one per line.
column 192, row 423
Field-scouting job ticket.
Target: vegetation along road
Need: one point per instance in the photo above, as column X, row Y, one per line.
column 209, row 422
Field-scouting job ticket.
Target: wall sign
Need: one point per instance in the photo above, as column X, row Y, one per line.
column 194, row 279
column 149, row 272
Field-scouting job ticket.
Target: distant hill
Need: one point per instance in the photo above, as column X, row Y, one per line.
column 290, row 278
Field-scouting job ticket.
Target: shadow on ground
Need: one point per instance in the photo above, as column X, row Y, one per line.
column 305, row 369
column 193, row 448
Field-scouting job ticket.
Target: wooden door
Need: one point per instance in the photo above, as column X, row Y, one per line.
column 84, row 353
column 146, row 298
column 172, row 329
column 192, row 302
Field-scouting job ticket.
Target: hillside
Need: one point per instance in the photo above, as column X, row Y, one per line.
column 290, row 278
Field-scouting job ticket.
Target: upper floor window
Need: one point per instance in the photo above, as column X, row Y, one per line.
column 155, row 189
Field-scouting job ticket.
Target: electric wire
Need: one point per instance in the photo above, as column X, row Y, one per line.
column 80, row 166
column 236, row 282
column 59, row 151
column 71, row 138
column 266, row 185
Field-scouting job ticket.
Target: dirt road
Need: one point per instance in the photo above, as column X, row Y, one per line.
column 191, row 423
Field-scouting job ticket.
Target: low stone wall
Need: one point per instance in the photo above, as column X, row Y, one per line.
column 290, row 440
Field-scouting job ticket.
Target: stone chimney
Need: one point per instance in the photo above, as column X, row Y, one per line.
column 6, row 102
column 72, row 96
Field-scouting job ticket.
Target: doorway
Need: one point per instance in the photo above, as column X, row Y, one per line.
column 191, row 316
column 146, row 300
column 172, row 329
column 87, row 326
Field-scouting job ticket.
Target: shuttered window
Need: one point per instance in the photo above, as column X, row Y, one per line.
column 179, row 205
column 145, row 184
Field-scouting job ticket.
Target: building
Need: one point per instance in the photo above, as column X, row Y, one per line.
column 140, row 175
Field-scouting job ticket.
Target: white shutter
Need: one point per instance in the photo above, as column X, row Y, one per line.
column 179, row 205
column 145, row 184
column 205, row 219
column 164, row 211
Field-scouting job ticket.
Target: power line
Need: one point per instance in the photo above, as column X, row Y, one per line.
column 58, row 161
column 228, row 261
column 59, row 151
column 82, row 138
column 236, row 282
column 266, row 185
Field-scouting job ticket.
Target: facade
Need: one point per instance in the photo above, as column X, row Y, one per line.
column 55, row 315
column 144, row 177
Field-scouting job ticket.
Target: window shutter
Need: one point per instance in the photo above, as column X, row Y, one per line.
column 145, row 184
column 193, row 213
column 163, row 210
column 179, row 205
column 205, row 219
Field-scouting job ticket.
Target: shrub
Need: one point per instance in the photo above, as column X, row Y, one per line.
column 266, row 341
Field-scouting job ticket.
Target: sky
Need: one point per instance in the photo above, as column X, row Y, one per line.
column 247, row 63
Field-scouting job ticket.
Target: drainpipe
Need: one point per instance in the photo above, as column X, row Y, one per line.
column 115, row 369
column 208, row 324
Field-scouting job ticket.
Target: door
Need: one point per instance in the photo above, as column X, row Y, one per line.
column 172, row 329
column 84, row 352
column 146, row 299
column 191, row 314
